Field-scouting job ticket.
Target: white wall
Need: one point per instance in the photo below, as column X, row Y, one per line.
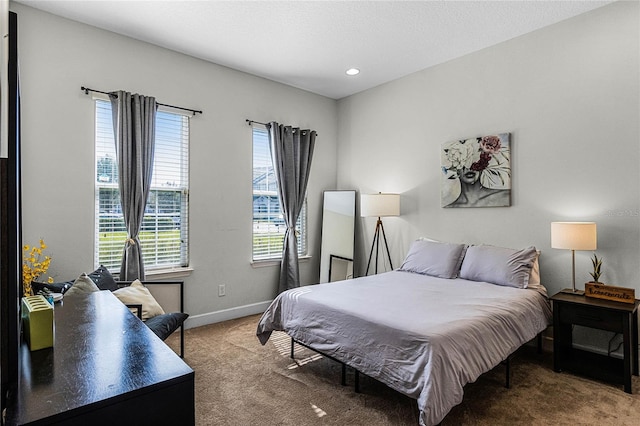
column 57, row 56
column 569, row 96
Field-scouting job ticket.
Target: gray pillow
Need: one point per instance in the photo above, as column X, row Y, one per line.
column 103, row 279
column 82, row 285
column 498, row 265
column 165, row 324
column 434, row 258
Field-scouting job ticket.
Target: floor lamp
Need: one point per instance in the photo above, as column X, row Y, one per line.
column 379, row 205
column 574, row 236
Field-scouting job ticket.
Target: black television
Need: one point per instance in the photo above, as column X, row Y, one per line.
column 10, row 221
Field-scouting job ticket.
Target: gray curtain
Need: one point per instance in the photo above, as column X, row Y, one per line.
column 291, row 152
column 134, row 124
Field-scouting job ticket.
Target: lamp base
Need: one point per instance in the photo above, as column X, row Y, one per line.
column 376, row 244
column 570, row 291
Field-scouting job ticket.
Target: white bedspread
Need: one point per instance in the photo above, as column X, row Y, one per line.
column 423, row 336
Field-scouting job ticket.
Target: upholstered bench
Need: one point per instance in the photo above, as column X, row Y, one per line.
column 162, row 324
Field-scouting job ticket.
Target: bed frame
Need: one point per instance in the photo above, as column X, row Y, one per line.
column 343, row 378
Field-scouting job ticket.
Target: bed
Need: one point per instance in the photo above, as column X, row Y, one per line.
column 448, row 315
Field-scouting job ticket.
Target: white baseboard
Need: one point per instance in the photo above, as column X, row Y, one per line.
column 226, row 314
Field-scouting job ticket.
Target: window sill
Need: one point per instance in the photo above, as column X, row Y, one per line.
column 169, row 273
column 273, row 262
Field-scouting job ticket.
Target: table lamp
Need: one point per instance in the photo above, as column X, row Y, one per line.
column 379, row 205
column 573, row 236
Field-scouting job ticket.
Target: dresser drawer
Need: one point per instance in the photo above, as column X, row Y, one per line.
column 591, row 317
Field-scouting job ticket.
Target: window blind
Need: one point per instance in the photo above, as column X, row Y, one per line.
column 268, row 222
column 164, row 232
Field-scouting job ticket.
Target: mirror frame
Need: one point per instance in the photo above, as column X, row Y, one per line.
column 327, row 244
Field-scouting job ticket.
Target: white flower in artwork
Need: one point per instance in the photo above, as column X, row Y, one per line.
column 458, row 155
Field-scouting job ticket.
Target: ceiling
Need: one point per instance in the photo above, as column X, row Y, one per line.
column 310, row 44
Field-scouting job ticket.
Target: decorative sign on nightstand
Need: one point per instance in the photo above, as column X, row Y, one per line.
column 610, row 292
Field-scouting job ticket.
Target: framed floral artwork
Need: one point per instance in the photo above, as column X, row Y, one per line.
column 476, row 172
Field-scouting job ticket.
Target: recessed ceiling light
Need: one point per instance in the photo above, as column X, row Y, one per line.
column 353, row 71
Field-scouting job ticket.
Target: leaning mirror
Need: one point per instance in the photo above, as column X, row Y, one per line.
column 338, row 227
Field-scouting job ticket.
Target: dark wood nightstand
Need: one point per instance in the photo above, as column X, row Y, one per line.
column 576, row 309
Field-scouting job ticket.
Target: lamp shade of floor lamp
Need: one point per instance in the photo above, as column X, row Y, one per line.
column 379, row 205
column 574, row 236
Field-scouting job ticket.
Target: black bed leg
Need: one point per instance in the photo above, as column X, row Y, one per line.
column 343, row 380
column 539, row 343
column 292, row 342
column 357, row 381
column 508, row 371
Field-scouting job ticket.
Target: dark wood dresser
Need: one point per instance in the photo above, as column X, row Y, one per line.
column 106, row 368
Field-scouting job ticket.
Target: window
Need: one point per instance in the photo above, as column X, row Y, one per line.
column 268, row 222
column 164, row 231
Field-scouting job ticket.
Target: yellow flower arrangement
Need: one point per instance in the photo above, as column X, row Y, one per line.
column 34, row 265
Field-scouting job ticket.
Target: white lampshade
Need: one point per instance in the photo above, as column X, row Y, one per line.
column 378, row 205
column 574, row 235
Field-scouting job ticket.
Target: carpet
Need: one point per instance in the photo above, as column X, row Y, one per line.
column 240, row 382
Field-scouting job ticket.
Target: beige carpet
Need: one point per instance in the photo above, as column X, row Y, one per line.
column 240, row 382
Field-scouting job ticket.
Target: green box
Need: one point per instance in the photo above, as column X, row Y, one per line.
column 37, row 322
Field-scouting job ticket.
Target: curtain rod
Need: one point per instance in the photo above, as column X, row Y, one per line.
column 194, row 111
column 250, row 122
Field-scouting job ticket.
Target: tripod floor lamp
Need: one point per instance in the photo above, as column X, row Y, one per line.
column 379, row 205
column 574, row 236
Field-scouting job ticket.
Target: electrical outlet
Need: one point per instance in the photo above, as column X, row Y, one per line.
column 221, row 290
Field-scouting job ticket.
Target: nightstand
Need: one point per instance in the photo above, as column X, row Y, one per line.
column 576, row 309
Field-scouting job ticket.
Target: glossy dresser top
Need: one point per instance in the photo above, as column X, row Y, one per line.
column 101, row 351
